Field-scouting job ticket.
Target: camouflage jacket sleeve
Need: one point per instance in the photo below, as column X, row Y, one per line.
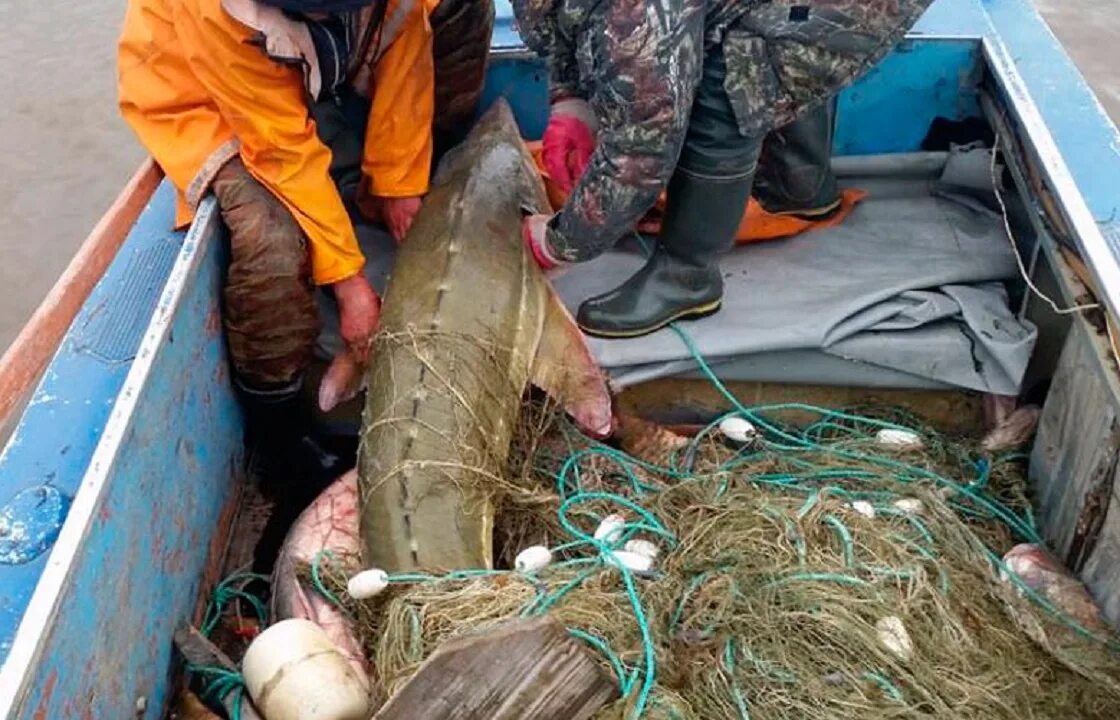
column 646, row 56
column 564, row 69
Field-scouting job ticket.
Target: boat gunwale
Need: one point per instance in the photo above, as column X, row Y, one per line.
column 1103, row 263
column 39, row 339
column 17, row 672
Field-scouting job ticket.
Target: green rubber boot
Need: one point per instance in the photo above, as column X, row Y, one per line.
column 795, row 171
column 682, row 279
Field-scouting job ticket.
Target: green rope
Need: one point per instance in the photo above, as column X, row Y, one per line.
column 885, row 685
column 317, row 581
column 847, row 544
column 227, row 591
column 736, row 692
column 847, row 439
column 219, row 683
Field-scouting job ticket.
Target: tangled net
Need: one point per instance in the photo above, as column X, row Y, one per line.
column 791, row 582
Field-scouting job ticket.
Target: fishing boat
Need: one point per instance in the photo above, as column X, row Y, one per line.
column 122, row 474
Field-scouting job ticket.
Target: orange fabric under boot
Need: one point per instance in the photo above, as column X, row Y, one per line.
column 757, row 224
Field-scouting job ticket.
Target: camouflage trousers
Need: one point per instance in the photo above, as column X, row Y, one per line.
column 270, row 313
column 793, row 161
column 787, row 57
column 773, row 75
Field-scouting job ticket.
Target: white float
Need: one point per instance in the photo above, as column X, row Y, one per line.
column 899, row 439
column 293, row 671
column 737, row 429
column 533, row 558
column 367, row 584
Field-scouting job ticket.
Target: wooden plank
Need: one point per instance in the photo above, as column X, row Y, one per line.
column 683, row 400
column 523, row 669
column 197, row 650
column 1072, row 449
column 1101, row 572
column 36, row 343
column 1074, row 466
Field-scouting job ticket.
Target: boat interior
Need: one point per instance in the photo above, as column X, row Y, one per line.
column 959, row 278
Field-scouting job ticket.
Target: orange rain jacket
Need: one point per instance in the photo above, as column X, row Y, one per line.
column 204, row 80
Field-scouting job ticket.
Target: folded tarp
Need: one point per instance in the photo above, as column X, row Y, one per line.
column 907, row 292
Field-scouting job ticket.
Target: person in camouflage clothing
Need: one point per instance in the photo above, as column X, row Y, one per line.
column 684, row 93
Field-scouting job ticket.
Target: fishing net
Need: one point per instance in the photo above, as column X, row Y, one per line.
column 811, row 572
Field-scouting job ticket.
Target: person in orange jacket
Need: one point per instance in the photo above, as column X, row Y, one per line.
column 226, row 95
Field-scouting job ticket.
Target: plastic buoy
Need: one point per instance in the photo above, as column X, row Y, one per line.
column 610, row 529
column 531, row 559
column 894, row 637
column 901, row 439
column 737, row 429
column 864, row 508
column 293, row 671
column 636, row 563
column 643, row 547
column 913, row 506
column 367, row 584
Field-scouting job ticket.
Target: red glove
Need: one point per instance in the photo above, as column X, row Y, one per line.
column 568, row 141
column 534, row 231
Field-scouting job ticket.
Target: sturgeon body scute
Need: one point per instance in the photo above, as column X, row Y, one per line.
column 468, row 321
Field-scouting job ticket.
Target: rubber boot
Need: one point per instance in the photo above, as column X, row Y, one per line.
column 795, row 171
column 681, row 280
column 292, row 465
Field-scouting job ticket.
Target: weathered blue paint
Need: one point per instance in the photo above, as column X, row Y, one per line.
column 890, row 109
column 30, row 522
column 505, row 34
column 1086, row 138
column 137, row 570
column 138, row 573
column 523, row 81
column 53, row 441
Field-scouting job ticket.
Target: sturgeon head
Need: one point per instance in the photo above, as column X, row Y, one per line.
column 326, row 531
column 468, row 322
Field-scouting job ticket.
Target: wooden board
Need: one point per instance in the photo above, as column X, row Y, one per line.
column 523, row 669
column 1075, row 463
column 675, row 401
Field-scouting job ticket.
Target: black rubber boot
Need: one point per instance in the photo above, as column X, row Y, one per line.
column 291, row 464
column 682, row 279
column 795, row 171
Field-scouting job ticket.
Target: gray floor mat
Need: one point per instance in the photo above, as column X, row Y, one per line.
column 911, row 285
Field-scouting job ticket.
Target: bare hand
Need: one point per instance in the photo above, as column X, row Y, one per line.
column 398, row 214
column 359, row 310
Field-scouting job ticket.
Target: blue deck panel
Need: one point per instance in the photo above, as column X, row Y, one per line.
column 51, row 447
column 137, row 576
column 137, row 570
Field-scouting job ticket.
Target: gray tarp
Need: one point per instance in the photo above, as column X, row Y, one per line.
column 906, row 292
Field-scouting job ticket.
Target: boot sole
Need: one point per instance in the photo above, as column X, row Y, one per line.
column 692, row 313
column 820, row 213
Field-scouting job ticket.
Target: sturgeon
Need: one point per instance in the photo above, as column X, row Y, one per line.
column 468, row 322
